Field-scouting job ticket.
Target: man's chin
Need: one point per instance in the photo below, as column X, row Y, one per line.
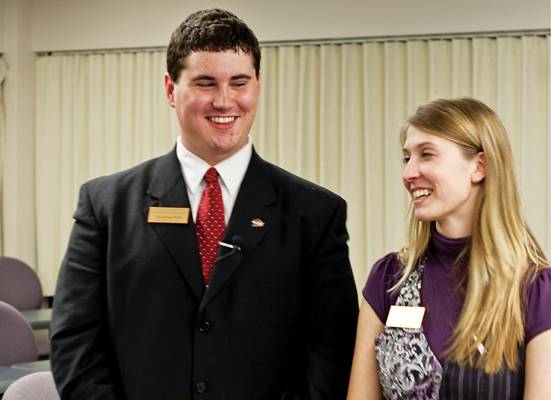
column 228, row 146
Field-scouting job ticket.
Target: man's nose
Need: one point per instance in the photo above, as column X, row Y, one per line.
column 221, row 99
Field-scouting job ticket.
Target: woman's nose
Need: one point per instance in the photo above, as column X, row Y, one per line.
column 411, row 171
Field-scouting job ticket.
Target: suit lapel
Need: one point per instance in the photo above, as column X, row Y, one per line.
column 167, row 189
column 256, row 201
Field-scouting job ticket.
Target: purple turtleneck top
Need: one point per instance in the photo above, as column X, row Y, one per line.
column 439, row 296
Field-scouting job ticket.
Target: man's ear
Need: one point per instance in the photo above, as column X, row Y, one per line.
column 480, row 173
column 258, row 82
column 169, row 89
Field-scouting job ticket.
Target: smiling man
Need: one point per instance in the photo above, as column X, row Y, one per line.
column 207, row 273
column 215, row 99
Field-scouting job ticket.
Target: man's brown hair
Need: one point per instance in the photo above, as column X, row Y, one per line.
column 210, row 30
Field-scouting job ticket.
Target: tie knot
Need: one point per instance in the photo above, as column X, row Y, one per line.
column 211, row 175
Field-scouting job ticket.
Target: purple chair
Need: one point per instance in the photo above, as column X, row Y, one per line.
column 20, row 287
column 17, row 343
column 35, row 386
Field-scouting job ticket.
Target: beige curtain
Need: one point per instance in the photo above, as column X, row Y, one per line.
column 96, row 114
column 330, row 113
column 3, row 73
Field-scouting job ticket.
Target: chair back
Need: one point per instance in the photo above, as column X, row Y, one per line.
column 19, row 284
column 35, row 386
column 17, row 343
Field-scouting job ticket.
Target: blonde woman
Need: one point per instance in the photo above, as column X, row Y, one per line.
column 471, row 291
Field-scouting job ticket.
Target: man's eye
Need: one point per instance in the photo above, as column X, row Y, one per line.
column 205, row 84
column 239, row 83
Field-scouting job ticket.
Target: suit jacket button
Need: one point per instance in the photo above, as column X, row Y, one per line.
column 204, row 326
column 200, row 387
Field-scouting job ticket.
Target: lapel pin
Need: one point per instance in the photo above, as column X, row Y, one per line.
column 257, row 223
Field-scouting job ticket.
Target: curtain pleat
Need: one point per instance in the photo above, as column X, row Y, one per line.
column 3, row 73
column 534, row 136
column 546, row 216
column 367, row 246
column 462, row 67
column 395, row 100
column 330, row 113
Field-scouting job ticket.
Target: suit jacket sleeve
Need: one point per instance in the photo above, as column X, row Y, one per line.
column 331, row 312
column 82, row 358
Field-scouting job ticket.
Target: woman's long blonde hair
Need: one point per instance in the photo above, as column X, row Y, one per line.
column 502, row 255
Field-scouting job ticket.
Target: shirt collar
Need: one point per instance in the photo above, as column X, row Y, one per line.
column 231, row 170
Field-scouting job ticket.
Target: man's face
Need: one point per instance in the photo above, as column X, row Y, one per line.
column 215, row 100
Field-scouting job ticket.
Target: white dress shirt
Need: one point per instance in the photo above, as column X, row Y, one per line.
column 230, row 175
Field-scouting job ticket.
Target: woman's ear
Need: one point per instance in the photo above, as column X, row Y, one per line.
column 480, row 173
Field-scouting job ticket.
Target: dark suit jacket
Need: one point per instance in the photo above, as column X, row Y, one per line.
column 132, row 319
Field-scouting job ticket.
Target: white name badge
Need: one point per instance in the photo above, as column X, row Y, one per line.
column 405, row 317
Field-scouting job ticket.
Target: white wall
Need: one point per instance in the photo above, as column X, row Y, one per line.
column 99, row 24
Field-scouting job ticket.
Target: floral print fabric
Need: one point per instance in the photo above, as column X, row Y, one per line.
column 408, row 369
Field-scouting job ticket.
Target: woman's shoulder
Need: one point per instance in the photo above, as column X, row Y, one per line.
column 386, row 268
column 538, row 299
column 383, row 276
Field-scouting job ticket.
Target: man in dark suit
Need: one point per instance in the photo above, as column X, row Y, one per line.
column 232, row 287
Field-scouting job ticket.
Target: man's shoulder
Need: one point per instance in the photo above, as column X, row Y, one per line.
column 286, row 182
column 140, row 174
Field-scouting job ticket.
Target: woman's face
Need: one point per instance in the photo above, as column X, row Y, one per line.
column 442, row 182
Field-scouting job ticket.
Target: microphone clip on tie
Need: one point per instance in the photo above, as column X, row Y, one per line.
column 230, row 246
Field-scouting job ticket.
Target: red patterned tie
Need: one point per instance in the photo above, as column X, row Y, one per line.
column 210, row 222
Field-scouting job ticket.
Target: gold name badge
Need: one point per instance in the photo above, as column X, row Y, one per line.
column 405, row 317
column 168, row 215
